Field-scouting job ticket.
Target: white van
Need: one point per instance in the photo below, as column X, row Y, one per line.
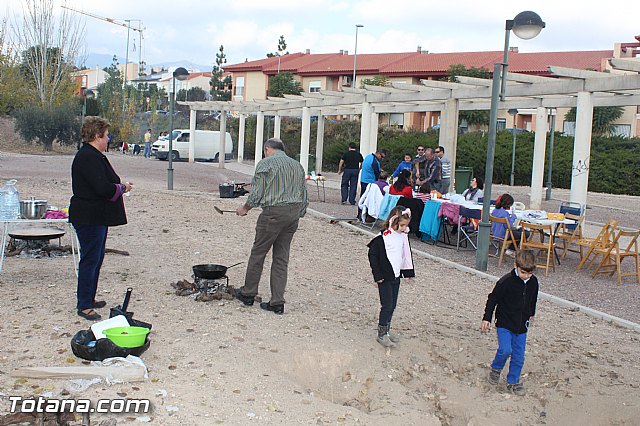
column 207, row 146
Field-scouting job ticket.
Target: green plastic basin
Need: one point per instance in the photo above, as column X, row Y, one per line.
column 127, row 337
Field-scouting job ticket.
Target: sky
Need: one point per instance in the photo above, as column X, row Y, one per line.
column 193, row 30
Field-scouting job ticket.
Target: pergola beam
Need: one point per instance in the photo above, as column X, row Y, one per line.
column 625, row 65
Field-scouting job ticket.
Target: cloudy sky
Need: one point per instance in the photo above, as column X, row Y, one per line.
column 193, row 30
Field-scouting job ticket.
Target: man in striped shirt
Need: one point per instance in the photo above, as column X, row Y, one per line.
column 280, row 189
column 445, row 182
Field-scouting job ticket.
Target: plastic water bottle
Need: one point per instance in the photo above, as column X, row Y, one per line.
column 9, row 201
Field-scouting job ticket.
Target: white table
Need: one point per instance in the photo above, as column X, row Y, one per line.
column 75, row 244
column 555, row 223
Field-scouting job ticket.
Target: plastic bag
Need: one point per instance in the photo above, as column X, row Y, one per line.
column 103, row 348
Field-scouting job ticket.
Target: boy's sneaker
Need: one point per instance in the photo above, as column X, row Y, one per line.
column 494, row 376
column 517, row 389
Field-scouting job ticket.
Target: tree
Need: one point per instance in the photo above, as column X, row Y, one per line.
column 193, row 94
column 475, row 116
column 378, row 80
column 283, row 84
column 603, row 118
column 14, row 93
column 50, row 46
column 282, row 46
column 217, row 84
column 47, row 124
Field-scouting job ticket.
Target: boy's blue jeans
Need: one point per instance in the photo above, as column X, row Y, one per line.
column 511, row 345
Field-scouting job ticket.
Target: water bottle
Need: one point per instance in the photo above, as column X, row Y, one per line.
column 9, row 201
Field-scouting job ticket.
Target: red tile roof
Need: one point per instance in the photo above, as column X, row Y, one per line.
column 422, row 64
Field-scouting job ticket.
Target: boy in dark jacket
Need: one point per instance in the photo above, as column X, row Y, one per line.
column 514, row 299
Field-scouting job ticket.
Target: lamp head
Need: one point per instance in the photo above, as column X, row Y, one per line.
column 180, row 73
column 359, row 26
column 89, row 94
column 527, row 25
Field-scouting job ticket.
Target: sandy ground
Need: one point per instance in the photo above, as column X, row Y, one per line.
column 223, row 363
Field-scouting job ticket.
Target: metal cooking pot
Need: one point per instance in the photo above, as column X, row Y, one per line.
column 33, row 209
column 211, row 271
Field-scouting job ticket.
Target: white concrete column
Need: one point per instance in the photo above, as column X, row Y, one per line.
column 319, row 143
column 373, row 137
column 365, row 129
column 276, row 126
column 582, row 149
column 222, row 149
column 304, row 139
column 539, row 145
column 448, row 137
column 259, row 136
column 192, row 133
column 241, row 132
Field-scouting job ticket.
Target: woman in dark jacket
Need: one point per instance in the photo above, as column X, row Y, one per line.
column 95, row 205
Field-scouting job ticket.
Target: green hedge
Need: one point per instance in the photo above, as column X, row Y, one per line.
column 614, row 164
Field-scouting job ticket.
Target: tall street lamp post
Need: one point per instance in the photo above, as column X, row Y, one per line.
column 180, row 74
column 86, row 93
column 550, row 160
column 513, row 112
column 526, row 25
column 355, row 54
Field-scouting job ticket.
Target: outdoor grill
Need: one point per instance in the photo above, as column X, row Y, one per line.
column 210, row 286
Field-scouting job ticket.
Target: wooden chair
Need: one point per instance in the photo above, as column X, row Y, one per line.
column 570, row 236
column 508, row 239
column 602, row 241
column 544, row 250
column 614, row 256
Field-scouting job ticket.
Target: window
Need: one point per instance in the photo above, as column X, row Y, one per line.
column 183, row 138
column 623, row 130
column 569, row 128
column 314, row 86
column 396, row 119
column 239, row 86
column 502, row 124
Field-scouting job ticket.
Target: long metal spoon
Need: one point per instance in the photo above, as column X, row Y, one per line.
column 223, row 211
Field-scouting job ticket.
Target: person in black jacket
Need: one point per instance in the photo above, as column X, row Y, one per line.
column 514, row 299
column 390, row 260
column 95, row 205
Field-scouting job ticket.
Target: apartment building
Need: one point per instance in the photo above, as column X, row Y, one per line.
column 333, row 71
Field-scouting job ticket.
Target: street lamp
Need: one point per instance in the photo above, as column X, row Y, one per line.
column 550, row 161
column 180, row 74
column 355, row 54
column 86, row 93
column 513, row 112
column 526, row 25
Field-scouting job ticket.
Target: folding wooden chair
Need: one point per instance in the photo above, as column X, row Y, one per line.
column 602, row 240
column 570, row 234
column 467, row 227
column 614, row 256
column 539, row 247
column 508, row 239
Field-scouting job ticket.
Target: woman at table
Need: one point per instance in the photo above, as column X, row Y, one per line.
column 95, row 205
column 499, row 230
column 402, row 186
column 475, row 191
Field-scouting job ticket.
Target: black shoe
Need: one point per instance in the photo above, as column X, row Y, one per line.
column 99, row 304
column 247, row 300
column 276, row 309
column 91, row 315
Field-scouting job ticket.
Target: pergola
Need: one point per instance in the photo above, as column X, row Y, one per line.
column 572, row 88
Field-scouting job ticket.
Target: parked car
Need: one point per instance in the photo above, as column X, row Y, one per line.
column 207, row 145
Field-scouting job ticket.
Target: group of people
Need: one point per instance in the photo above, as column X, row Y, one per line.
column 146, row 145
column 279, row 189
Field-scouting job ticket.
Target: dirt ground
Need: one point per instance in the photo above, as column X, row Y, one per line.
column 223, row 363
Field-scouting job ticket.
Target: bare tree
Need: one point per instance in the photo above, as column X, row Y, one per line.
column 49, row 45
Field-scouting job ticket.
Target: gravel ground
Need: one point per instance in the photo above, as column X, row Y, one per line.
column 221, row 363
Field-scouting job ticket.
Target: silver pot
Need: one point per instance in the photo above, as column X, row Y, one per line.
column 33, row 209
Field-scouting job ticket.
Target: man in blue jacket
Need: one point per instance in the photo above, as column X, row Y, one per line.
column 370, row 170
